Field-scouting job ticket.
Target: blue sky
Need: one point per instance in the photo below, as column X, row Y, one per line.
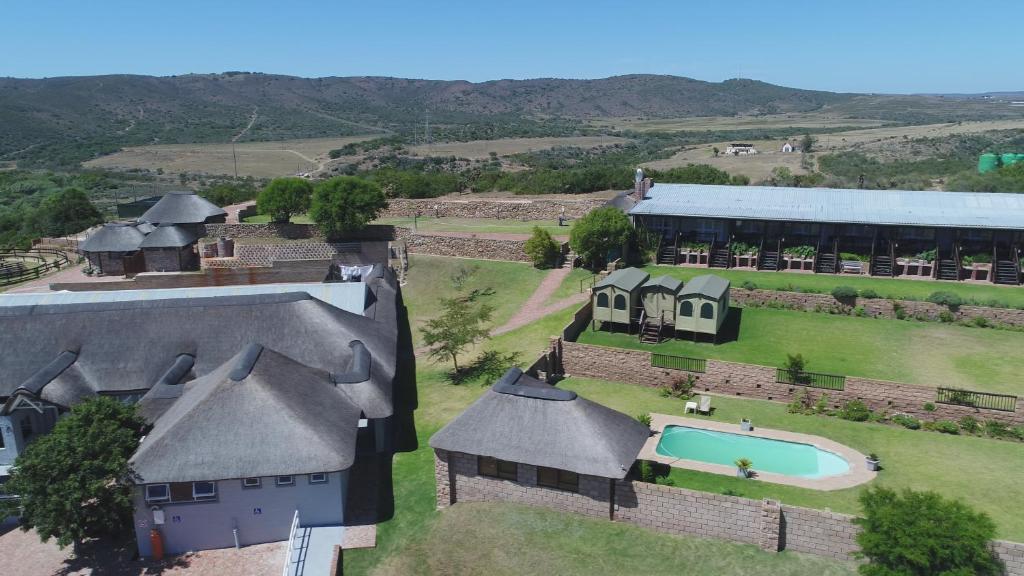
column 854, row 45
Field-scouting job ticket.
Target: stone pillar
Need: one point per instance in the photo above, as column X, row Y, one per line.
column 442, row 479
column 771, row 524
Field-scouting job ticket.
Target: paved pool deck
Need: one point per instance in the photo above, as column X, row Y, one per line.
column 858, row 473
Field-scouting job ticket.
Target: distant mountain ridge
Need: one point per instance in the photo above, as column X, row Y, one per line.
column 84, row 116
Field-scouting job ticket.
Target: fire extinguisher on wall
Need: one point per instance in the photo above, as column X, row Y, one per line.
column 156, row 543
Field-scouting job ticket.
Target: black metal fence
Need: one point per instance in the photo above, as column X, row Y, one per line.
column 986, row 400
column 679, row 363
column 810, row 379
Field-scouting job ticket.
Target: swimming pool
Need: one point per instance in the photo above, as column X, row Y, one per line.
column 768, row 455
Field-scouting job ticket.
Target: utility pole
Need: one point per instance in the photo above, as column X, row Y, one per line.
column 235, row 158
column 426, row 128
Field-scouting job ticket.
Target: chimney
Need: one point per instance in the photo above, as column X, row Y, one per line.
column 641, row 188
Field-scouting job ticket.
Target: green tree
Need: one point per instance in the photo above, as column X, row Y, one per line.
column 922, row 534
column 461, row 324
column 345, row 204
column 541, row 248
column 807, row 143
column 600, row 231
column 75, row 482
column 67, row 212
column 285, row 197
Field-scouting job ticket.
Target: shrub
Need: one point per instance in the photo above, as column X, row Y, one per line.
column 944, row 426
column 681, row 387
column 598, row 233
column 860, row 312
column 748, row 285
column 928, row 407
column 906, row 421
column 644, row 419
column 898, row 310
column 844, row 293
column 910, row 533
column 969, row 424
column 541, row 248
column 944, row 298
column 855, row 410
column 801, row 403
column 795, row 365
column 821, row 406
column 1017, row 432
column 980, row 322
column 868, row 293
column 946, row 316
column 997, row 429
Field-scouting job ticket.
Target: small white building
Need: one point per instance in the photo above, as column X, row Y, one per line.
column 788, row 147
column 740, row 149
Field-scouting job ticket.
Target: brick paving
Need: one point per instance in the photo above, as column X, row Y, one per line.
column 234, row 209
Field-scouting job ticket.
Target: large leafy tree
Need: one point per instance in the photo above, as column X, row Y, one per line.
column 67, row 212
column 912, row 533
column 285, row 197
column 75, row 482
column 600, row 231
column 346, row 204
column 460, row 324
column 541, row 248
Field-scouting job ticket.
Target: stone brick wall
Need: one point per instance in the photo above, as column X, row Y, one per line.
column 593, row 498
column 874, row 307
column 817, row 532
column 463, row 247
column 293, row 231
column 508, row 209
column 750, row 380
column 1012, row 555
column 267, row 254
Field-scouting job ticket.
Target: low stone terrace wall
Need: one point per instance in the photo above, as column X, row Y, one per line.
column 505, row 209
column 768, row 524
column 463, row 246
column 874, row 307
column 753, row 381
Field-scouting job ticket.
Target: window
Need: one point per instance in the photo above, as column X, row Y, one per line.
column 602, row 300
column 158, row 493
column 26, row 428
column 487, row 466
column 555, row 478
column 284, row 480
column 707, row 310
column 204, row 490
column 251, row 482
column 318, row 478
column 620, row 302
column 686, row 309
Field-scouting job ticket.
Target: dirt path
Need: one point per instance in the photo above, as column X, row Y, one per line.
column 252, row 120
column 234, row 209
column 534, row 308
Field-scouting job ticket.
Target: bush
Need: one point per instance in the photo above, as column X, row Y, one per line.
column 855, row 410
column 748, row 285
column 681, row 387
column 801, row 403
column 911, row 533
column 946, row 316
column 644, row 419
column 541, row 248
column 969, row 424
column 944, row 426
column 906, row 421
column 928, row 407
column 821, row 406
column 598, row 233
column 844, row 293
column 869, row 293
column 345, row 204
column 944, row 298
column 898, row 310
column 996, row 429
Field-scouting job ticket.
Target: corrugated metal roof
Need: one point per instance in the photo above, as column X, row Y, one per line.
column 836, row 205
column 348, row 296
column 625, row 278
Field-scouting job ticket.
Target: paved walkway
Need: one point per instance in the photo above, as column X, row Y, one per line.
column 234, row 209
column 72, row 273
column 534, row 308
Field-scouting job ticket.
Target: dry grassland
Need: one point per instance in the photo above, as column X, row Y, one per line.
column 478, row 149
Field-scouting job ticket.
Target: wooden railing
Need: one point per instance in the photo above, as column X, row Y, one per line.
column 48, row 258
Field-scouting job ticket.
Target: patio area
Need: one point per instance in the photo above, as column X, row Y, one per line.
column 856, row 475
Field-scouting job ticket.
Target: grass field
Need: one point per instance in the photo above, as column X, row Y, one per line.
column 480, row 149
column 985, row 294
column 256, row 159
column 979, row 471
column 926, row 353
column 796, row 119
column 757, row 167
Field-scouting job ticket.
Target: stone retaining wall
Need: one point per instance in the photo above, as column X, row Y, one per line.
column 463, row 247
column 750, row 380
column 874, row 307
column 255, row 255
column 508, row 209
column 768, row 524
column 293, row 231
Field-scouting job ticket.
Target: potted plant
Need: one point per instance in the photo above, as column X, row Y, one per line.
column 745, row 425
column 872, row 462
column 743, row 466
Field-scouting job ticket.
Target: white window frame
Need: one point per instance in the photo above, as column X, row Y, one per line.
column 165, row 498
column 322, row 480
column 290, row 482
column 258, row 484
column 206, row 495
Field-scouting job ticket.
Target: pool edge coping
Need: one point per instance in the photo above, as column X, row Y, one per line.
column 857, row 475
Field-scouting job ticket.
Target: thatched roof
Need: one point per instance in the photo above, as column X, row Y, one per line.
column 114, row 237
column 524, row 420
column 168, row 236
column 261, row 413
column 182, row 208
column 708, row 285
column 628, row 279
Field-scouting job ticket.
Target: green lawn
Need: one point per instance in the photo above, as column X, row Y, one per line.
column 982, row 472
column 571, row 284
column 264, row 218
column 1004, row 296
column 477, row 225
column 926, row 353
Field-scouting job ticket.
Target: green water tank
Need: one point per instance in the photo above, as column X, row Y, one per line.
column 1008, row 158
column 987, row 162
column 1020, row 157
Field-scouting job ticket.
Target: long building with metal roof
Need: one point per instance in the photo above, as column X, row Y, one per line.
column 883, row 228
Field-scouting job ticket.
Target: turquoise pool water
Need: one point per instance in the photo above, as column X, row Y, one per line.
column 768, row 455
